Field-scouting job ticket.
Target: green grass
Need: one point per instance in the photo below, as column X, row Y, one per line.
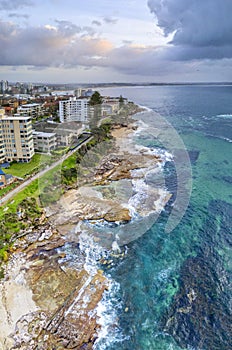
column 11, row 206
column 60, row 151
column 7, row 189
column 24, row 169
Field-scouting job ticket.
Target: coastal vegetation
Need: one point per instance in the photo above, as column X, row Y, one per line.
column 26, row 207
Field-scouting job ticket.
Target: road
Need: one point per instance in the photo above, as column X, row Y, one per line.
column 41, row 173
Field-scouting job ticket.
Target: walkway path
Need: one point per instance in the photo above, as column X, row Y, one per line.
column 16, row 190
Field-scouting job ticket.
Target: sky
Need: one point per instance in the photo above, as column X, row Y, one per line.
column 93, row 41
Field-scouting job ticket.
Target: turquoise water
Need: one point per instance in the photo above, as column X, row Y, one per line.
column 175, row 288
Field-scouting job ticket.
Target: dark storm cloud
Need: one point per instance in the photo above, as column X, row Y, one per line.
column 9, row 5
column 202, row 28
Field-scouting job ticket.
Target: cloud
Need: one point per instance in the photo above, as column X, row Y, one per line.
column 67, row 45
column 17, row 15
column 110, row 20
column 67, row 28
column 96, row 23
column 138, row 60
column 62, row 45
column 127, row 42
column 201, row 29
column 9, row 5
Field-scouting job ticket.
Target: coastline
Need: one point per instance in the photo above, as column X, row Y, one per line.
column 51, row 257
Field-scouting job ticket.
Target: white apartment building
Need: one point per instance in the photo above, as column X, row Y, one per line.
column 2, row 146
column 73, row 110
column 44, row 141
column 3, row 86
column 32, row 110
column 16, row 140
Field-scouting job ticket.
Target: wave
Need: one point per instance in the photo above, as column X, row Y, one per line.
column 110, row 306
column 108, row 311
column 226, row 116
column 147, row 109
column 92, row 251
column 227, row 139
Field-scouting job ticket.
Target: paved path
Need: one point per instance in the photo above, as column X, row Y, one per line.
column 41, row 173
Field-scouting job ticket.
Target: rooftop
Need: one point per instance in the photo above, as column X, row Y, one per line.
column 12, row 118
column 43, row 134
column 30, row 105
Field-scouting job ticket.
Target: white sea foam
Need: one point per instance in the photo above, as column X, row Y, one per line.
column 110, row 306
column 147, row 109
column 93, row 252
column 163, row 154
column 107, row 311
column 164, row 274
column 141, row 126
column 226, row 116
column 221, row 138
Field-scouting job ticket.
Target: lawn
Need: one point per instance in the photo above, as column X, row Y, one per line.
column 24, row 169
column 7, row 189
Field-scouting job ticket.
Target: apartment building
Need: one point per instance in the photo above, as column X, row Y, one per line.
column 3, row 86
column 16, row 140
column 73, row 109
column 44, row 141
column 32, row 110
column 2, row 146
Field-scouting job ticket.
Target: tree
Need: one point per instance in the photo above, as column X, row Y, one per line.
column 96, row 99
column 95, row 103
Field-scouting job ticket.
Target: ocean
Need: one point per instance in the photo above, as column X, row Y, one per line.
column 172, row 288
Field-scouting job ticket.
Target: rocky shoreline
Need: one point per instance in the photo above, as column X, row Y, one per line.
column 48, row 297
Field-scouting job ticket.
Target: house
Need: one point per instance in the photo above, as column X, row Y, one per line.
column 5, row 179
column 2, row 178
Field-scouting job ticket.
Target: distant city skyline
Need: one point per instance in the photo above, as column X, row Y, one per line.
column 73, row 41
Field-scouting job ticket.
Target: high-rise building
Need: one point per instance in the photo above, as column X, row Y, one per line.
column 73, row 110
column 16, row 138
column 2, row 146
column 3, row 86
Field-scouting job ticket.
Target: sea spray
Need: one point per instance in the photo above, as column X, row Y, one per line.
column 92, row 251
column 110, row 306
column 108, row 311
